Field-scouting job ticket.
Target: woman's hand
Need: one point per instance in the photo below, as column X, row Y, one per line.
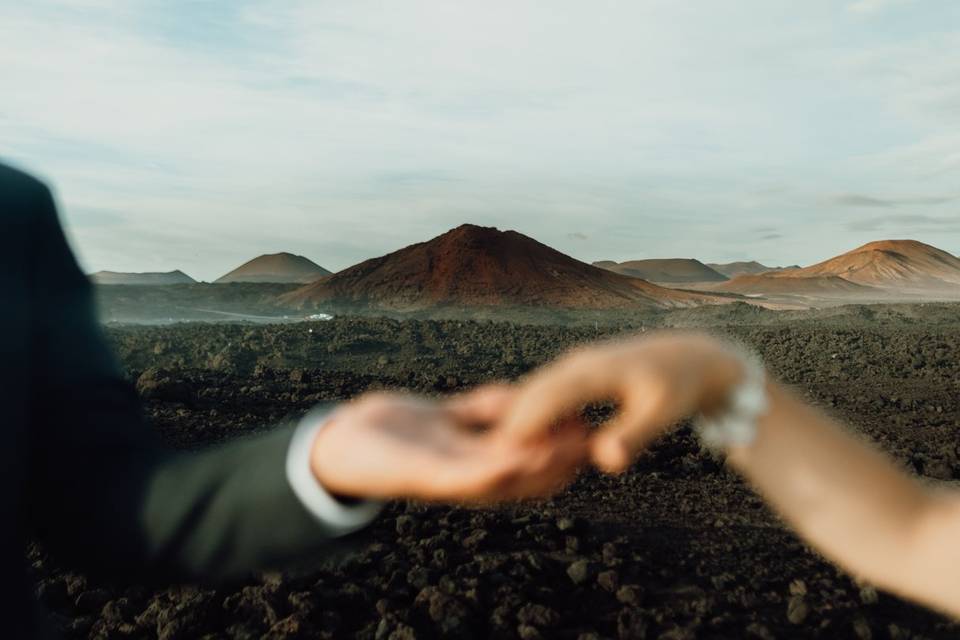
column 395, row 446
column 656, row 380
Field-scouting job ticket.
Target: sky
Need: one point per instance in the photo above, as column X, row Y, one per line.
column 194, row 135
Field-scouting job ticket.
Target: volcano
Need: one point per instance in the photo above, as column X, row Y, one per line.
column 473, row 266
column 276, row 267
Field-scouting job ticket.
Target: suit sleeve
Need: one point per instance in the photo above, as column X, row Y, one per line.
column 103, row 489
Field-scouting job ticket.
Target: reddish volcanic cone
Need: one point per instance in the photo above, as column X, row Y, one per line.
column 483, row 266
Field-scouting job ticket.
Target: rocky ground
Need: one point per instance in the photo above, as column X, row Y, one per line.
column 678, row 547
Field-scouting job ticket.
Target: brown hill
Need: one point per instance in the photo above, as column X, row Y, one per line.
column 474, row 266
column 148, row 278
column 276, row 267
column 877, row 270
column 904, row 265
column 777, row 284
column 672, row 270
column 745, row 268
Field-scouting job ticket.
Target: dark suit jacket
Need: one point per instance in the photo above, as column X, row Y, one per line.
column 81, row 470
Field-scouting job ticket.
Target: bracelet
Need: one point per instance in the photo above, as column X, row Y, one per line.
column 737, row 423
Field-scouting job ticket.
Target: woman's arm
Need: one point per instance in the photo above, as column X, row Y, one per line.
column 841, row 494
column 854, row 504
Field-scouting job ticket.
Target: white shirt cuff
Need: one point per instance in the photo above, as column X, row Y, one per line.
column 340, row 518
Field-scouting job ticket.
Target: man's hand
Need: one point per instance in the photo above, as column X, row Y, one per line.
column 656, row 381
column 393, row 446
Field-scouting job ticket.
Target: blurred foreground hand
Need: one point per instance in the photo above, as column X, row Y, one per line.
column 656, row 380
column 386, row 446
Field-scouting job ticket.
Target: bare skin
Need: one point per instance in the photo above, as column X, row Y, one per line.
column 842, row 495
column 393, row 446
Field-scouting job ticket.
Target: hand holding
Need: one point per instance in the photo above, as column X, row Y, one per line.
column 386, row 446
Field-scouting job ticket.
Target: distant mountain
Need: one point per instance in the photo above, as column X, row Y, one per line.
column 878, row 270
column 771, row 284
column 482, row 266
column 904, row 265
column 667, row 270
column 148, row 278
column 751, row 268
column 734, row 269
column 276, row 267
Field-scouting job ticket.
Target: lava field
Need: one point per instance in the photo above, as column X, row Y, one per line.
column 678, row 547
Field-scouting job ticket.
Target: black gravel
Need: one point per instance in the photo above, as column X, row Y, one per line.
column 678, row 547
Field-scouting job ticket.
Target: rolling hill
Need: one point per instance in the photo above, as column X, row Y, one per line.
column 147, row 278
column 748, row 268
column 667, row 270
column 771, row 284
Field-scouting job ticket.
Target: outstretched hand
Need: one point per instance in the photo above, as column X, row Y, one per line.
column 655, row 380
column 395, row 446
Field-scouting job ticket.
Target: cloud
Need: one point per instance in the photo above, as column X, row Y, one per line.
column 916, row 223
column 853, row 200
column 857, row 200
column 95, row 217
column 577, row 235
column 344, row 130
column 876, row 6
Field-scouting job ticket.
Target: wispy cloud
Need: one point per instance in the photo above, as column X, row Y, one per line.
column 95, row 217
column 875, row 6
column 343, row 130
column 857, row 200
column 917, row 223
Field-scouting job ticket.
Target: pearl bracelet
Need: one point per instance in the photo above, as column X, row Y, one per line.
column 737, row 423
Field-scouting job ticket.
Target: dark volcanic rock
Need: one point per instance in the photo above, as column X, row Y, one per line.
column 675, row 547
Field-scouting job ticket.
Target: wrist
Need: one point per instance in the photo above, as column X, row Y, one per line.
column 723, row 371
column 740, row 453
column 323, row 463
column 316, row 493
column 741, row 398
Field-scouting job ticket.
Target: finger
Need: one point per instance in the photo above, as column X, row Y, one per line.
column 481, row 406
column 538, row 469
column 496, row 470
column 560, row 390
column 649, row 407
column 560, row 460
